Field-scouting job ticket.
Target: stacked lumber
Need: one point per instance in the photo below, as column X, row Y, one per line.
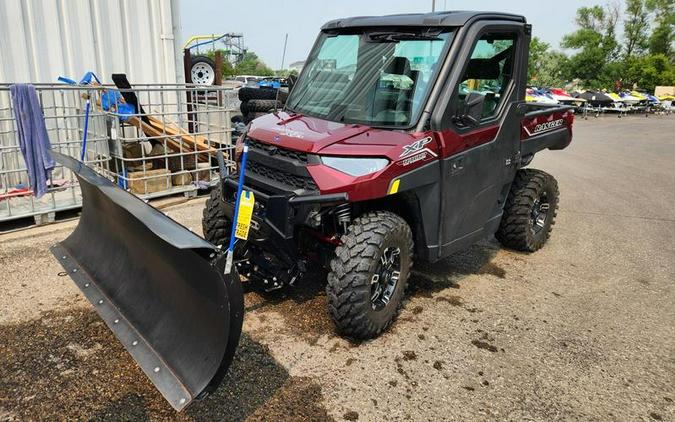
column 176, row 138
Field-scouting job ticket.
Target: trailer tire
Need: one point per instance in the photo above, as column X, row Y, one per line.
column 202, row 70
column 248, row 93
column 215, row 224
column 530, row 211
column 262, row 106
column 353, row 301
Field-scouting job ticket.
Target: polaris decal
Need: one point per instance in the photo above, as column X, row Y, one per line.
column 417, row 146
column 545, row 127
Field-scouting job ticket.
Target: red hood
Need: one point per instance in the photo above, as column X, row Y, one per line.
column 313, row 135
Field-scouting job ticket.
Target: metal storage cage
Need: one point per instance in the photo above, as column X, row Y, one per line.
column 164, row 147
column 63, row 109
column 167, row 145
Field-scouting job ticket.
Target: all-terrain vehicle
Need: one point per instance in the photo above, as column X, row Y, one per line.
column 405, row 138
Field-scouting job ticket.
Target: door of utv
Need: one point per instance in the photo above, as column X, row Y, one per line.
column 480, row 159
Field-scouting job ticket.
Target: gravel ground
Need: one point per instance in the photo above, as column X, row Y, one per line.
column 582, row 330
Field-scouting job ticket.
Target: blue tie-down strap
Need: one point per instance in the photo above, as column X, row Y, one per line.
column 112, row 99
column 86, row 79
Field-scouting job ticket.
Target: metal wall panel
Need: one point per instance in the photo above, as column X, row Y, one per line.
column 41, row 40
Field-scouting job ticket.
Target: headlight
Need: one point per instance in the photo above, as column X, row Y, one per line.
column 355, row 166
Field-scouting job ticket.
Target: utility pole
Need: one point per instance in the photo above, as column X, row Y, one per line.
column 433, row 5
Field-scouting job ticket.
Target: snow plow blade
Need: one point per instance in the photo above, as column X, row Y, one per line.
column 159, row 287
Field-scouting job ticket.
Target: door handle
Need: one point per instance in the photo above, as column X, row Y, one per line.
column 456, row 165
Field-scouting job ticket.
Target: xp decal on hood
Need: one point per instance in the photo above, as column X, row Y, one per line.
column 416, row 151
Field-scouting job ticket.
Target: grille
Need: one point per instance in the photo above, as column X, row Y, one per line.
column 276, row 151
column 285, row 178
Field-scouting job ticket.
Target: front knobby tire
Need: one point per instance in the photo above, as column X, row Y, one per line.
column 369, row 273
column 215, row 224
column 529, row 212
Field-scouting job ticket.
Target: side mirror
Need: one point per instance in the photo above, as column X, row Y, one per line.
column 473, row 109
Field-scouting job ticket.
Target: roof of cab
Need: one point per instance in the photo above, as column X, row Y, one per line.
column 453, row 18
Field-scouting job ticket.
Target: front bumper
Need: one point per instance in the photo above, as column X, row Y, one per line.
column 276, row 216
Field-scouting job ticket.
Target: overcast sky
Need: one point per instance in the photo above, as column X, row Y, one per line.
column 264, row 23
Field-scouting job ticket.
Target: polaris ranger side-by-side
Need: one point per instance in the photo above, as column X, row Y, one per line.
column 405, row 138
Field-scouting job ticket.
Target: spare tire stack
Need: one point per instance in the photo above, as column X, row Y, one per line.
column 258, row 101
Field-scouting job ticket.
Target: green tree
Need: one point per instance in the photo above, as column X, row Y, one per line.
column 594, row 41
column 635, row 28
column 661, row 39
column 227, row 69
column 250, row 64
column 650, row 71
column 538, row 50
column 285, row 73
column 552, row 69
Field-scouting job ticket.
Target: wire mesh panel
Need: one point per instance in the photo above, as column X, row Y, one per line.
column 64, row 109
column 154, row 140
column 168, row 143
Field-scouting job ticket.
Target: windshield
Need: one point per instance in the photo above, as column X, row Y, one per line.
column 376, row 77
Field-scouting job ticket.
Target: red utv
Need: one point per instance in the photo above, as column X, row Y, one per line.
column 405, row 138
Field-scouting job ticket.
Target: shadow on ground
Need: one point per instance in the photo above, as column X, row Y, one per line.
column 428, row 279
column 68, row 365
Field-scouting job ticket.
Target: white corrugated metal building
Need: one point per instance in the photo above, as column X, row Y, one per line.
column 41, row 40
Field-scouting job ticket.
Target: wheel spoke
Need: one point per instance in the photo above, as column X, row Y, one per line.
column 386, row 295
column 393, row 254
column 376, row 293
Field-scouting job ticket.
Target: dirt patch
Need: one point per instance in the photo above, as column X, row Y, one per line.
column 351, row 416
column 304, row 307
column 438, row 365
column 68, row 365
column 484, row 345
column 492, row 269
column 452, row 300
column 409, row 355
column 399, row 368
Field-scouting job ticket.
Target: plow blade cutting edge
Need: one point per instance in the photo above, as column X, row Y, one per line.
column 159, row 287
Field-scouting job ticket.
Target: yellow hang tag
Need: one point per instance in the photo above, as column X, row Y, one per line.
column 246, row 203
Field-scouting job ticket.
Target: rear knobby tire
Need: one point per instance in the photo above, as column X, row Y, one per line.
column 215, row 224
column 523, row 227
column 350, row 285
